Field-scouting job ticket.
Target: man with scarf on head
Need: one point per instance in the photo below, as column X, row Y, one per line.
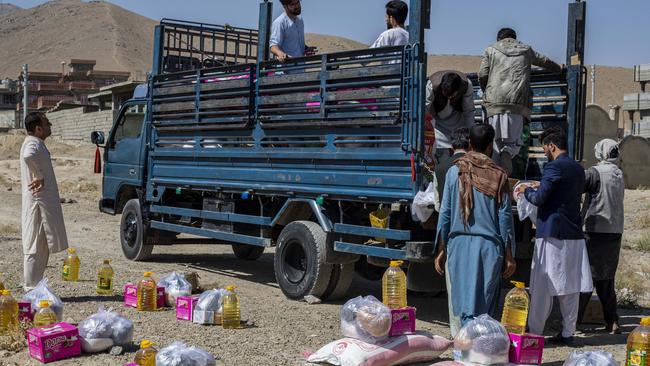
column 288, row 33
column 604, row 219
column 560, row 265
column 476, row 240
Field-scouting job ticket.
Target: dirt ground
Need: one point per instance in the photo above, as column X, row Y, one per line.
column 281, row 329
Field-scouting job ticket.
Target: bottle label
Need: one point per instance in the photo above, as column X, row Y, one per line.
column 66, row 271
column 104, row 283
column 636, row 357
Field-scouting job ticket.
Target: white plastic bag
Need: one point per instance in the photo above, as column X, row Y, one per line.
column 591, row 358
column 43, row 292
column 482, row 341
column 178, row 354
column 425, row 202
column 366, row 319
column 175, row 285
column 105, row 324
column 525, row 209
column 210, row 300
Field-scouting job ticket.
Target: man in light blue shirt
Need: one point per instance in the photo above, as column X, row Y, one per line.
column 288, row 33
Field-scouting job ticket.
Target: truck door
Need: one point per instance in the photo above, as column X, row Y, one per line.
column 124, row 150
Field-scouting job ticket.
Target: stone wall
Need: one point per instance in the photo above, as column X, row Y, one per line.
column 75, row 125
column 7, row 119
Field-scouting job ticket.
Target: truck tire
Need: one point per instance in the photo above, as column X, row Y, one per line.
column 137, row 240
column 342, row 275
column 247, row 252
column 299, row 262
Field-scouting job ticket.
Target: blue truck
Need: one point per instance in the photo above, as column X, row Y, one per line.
column 319, row 156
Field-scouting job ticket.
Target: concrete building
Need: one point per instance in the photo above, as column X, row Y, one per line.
column 639, row 104
column 8, row 99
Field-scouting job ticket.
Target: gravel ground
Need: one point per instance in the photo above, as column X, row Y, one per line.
column 281, row 329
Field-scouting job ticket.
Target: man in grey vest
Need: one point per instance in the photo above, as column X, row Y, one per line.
column 604, row 218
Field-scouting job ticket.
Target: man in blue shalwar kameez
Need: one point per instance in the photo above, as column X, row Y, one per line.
column 475, row 231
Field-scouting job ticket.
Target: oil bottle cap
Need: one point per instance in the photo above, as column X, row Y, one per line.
column 645, row 322
column 146, row 344
column 518, row 284
column 107, row 261
column 231, row 288
column 72, row 250
column 148, row 274
column 43, row 304
column 6, row 292
column 396, row 263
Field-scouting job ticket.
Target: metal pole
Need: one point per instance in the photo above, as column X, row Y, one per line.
column 593, row 84
column 25, row 93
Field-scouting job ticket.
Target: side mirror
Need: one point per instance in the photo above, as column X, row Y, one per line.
column 97, row 138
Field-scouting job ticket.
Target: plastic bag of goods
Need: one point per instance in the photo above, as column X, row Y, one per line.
column 103, row 330
column 427, row 201
column 482, row 341
column 591, row 358
column 43, row 292
column 178, row 354
column 404, row 349
column 210, row 300
column 525, row 209
column 175, row 285
column 366, row 319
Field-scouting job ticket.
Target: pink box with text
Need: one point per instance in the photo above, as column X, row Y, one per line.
column 54, row 342
column 526, row 349
column 403, row 321
column 185, row 307
column 131, row 296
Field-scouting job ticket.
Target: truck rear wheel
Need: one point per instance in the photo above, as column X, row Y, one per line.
column 342, row 275
column 299, row 261
column 247, row 252
column 137, row 240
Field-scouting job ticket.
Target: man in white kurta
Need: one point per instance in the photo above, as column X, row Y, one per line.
column 43, row 229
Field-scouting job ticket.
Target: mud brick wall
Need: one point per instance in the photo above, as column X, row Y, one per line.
column 75, row 125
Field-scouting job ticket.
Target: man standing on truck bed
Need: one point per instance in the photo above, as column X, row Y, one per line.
column 504, row 78
column 288, row 33
column 475, row 230
column 396, row 13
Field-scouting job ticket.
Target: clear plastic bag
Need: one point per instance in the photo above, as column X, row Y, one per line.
column 525, row 209
column 210, row 300
column 482, row 341
column 43, row 292
column 107, row 324
column 425, row 202
column 591, row 358
column 366, row 319
column 178, row 354
column 175, row 285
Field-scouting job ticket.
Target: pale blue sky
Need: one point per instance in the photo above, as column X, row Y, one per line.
column 617, row 30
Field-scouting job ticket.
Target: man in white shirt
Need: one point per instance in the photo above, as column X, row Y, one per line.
column 288, row 33
column 396, row 13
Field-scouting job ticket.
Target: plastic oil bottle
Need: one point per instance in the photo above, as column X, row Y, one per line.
column 638, row 345
column 71, row 266
column 515, row 309
column 105, row 279
column 230, row 313
column 146, row 355
column 44, row 316
column 147, row 293
column 394, row 286
column 8, row 312
column 2, row 282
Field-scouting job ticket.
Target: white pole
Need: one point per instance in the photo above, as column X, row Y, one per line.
column 593, row 84
column 25, row 92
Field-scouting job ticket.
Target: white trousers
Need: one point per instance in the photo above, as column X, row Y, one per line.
column 541, row 305
column 34, row 264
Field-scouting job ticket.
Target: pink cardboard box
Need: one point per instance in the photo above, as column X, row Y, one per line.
column 403, row 321
column 54, row 342
column 25, row 311
column 131, row 296
column 185, row 307
column 526, row 349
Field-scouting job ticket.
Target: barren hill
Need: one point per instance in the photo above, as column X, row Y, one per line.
column 120, row 40
column 8, row 8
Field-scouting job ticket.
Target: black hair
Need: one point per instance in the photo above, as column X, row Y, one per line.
column 398, row 10
column 33, row 120
column 450, row 83
column 555, row 135
column 286, row 2
column 506, row 33
column 460, row 138
column 481, row 136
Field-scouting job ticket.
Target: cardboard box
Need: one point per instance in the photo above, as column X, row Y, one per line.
column 526, row 349
column 403, row 321
column 54, row 342
column 25, row 311
column 185, row 307
column 206, row 317
column 131, row 296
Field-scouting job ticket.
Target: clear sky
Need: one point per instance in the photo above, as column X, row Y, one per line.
column 617, row 30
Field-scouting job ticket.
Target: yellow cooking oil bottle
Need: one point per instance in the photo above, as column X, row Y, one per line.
column 44, row 316
column 393, row 285
column 147, row 293
column 515, row 309
column 230, row 313
column 638, row 345
column 71, row 266
column 105, row 279
column 146, row 355
column 8, row 312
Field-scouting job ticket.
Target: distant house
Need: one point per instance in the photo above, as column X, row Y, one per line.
column 8, row 100
column 639, row 102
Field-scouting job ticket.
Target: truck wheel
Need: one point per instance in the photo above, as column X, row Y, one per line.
column 342, row 275
column 299, row 261
column 135, row 242
column 247, row 252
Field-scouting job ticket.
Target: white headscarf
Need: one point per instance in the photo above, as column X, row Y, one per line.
column 604, row 149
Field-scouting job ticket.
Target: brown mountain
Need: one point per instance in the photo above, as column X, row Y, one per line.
column 8, row 8
column 120, row 40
